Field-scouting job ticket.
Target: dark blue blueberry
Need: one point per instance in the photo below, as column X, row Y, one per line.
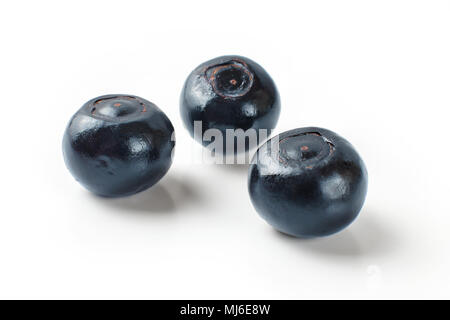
column 311, row 183
column 229, row 92
column 118, row 145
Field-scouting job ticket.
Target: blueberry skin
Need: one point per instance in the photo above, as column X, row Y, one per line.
column 229, row 92
column 118, row 145
column 313, row 184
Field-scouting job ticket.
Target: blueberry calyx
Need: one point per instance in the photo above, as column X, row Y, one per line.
column 116, row 107
column 231, row 79
column 305, row 149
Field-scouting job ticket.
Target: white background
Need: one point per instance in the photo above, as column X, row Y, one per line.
column 376, row 72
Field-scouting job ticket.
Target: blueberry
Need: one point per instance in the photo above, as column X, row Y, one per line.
column 307, row 182
column 229, row 92
column 118, row 145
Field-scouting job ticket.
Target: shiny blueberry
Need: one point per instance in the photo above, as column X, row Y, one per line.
column 118, row 145
column 307, row 182
column 229, row 92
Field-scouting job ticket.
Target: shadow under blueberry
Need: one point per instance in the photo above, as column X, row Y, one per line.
column 365, row 237
column 167, row 196
column 235, row 168
column 234, row 162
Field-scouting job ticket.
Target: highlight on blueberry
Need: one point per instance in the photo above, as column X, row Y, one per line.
column 229, row 102
column 118, row 145
column 307, row 182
